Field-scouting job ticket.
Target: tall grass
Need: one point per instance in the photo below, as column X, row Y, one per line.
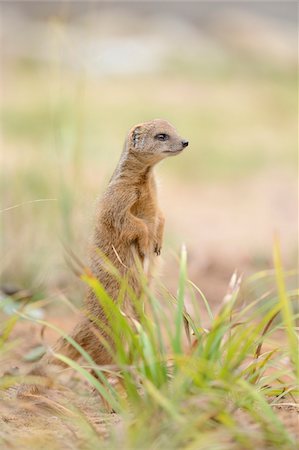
column 216, row 390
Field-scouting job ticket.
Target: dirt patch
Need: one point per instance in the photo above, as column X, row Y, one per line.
column 70, row 413
column 229, row 226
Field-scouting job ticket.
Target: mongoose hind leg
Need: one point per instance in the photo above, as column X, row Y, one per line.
column 85, row 337
column 91, row 339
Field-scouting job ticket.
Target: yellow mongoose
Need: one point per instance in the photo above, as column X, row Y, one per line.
column 128, row 224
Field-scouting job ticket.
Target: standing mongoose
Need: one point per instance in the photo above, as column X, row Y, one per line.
column 128, row 225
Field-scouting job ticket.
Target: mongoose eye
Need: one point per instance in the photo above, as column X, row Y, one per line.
column 162, row 137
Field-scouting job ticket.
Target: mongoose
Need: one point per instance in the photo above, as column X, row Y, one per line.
column 128, row 224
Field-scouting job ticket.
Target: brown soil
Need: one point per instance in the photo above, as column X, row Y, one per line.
column 38, row 422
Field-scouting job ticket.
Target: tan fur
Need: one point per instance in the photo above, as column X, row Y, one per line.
column 128, row 225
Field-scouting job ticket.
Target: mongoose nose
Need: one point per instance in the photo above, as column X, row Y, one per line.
column 185, row 143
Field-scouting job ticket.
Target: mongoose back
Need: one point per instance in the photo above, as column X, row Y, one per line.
column 128, row 225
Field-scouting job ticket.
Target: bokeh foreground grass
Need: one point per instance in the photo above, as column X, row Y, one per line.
column 219, row 388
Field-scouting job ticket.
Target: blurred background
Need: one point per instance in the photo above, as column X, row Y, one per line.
column 76, row 76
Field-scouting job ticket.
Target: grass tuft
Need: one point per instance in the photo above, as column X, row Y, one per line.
column 211, row 387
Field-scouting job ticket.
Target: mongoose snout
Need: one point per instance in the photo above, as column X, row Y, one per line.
column 173, row 152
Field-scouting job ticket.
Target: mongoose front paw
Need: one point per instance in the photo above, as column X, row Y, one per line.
column 141, row 253
column 157, row 249
column 143, row 246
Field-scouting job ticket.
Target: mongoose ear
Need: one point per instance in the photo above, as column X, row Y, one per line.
column 137, row 136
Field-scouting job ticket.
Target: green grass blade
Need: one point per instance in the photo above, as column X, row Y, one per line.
column 286, row 307
column 206, row 303
column 111, row 399
column 162, row 401
column 179, row 319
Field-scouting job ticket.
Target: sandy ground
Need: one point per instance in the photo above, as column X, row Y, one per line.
column 228, row 226
column 32, row 422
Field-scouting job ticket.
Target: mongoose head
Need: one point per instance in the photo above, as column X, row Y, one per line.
column 154, row 141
